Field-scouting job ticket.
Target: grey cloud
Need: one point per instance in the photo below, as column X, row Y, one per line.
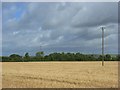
column 96, row 14
column 60, row 27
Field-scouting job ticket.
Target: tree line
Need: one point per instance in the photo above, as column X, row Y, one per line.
column 40, row 56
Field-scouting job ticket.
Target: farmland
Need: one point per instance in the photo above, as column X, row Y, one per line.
column 59, row 74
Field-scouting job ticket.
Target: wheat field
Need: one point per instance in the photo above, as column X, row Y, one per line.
column 59, row 75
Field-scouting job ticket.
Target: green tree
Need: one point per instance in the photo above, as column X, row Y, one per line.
column 5, row 59
column 100, row 57
column 107, row 57
column 40, row 55
column 26, row 57
column 118, row 57
column 15, row 58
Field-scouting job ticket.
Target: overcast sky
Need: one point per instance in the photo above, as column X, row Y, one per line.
column 58, row 27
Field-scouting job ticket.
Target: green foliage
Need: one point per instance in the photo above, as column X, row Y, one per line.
column 5, row 59
column 58, row 57
column 26, row 57
column 15, row 58
column 100, row 58
column 108, row 57
column 118, row 57
column 40, row 55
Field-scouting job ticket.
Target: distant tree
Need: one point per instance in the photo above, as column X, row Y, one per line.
column 15, row 58
column 46, row 58
column 100, row 57
column 68, row 56
column 77, row 57
column 62, row 56
column 118, row 57
column 26, row 57
column 108, row 57
column 40, row 55
column 114, row 58
column 59, row 57
column 5, row 59
column 51, row 57
column 89, row 57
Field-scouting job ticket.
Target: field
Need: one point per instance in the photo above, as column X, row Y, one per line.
column 59, row 75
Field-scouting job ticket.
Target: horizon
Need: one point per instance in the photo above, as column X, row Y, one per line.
column 58, row 52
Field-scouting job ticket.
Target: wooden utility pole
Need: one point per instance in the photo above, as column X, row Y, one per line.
column 102, row 46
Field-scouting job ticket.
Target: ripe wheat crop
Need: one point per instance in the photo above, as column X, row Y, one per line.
column 59, row 75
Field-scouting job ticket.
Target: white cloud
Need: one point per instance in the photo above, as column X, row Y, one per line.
column 15, row 33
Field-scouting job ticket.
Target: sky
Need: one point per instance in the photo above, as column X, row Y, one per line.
column 59, row 27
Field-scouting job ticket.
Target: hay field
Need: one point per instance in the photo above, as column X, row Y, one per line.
column 59, row 75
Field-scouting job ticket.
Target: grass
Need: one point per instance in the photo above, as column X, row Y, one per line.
column 59, row 75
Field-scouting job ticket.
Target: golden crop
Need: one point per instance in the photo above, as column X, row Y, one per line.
column 59, row 75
